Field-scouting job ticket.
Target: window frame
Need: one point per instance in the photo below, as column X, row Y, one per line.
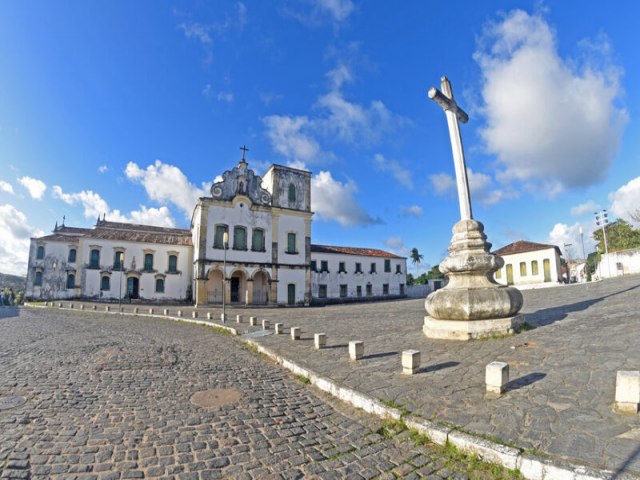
column 373, row 268
column 322, row 290
column 313, row 266
column 344, row 290
column 387, row 265
column 40, row 252
column 292, row 235
column 175, row 269
column 523, row 269
column 254, row 233
column 148, row 268
column 359, row 267
column 385, row 289
column 75, row 255
column 239, row 244
column 534, row 268
column 102, row 280
column 342, row 267
column 220, row 228
column 324, row 266
column 71, row 279
column 292, row 193
column 37, row 280
column 159, row 279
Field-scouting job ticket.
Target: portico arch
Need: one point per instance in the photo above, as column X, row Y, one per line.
column 261, row 287
column 237, row 287
column 214, row 286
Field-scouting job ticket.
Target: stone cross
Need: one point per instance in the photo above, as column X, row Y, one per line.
column 454, row 113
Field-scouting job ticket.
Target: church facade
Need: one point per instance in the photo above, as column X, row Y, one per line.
column 249, row 242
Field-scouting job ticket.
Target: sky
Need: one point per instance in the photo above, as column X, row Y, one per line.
column 133, row 109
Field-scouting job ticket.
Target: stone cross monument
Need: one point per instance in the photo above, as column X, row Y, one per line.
column 473, row 304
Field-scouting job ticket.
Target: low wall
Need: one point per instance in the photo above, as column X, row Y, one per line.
column 616, row 264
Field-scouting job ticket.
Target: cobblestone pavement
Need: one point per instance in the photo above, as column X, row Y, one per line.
column 109, row 397
column 562, row 372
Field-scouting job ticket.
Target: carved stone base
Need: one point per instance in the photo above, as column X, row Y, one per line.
column 471, row 329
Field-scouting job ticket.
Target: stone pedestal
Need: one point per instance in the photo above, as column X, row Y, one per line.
column 472, row 305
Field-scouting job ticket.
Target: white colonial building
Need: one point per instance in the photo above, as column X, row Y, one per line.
column 528, row 263
column 268, row 258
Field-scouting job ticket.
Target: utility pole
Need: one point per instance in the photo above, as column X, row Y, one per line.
column 602, row 221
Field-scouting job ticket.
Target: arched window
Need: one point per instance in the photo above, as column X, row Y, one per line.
column 71, row 280
column 173, row 264
column 257, row 243
column 40, row 253
column 159, row 285
column 148, row 262
column 239, row 238
column 72, row 255
column 38, row 281
column 292, row 192
column 105, row 283
column 94, row 261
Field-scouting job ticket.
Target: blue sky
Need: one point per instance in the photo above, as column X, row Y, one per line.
column 133, row 108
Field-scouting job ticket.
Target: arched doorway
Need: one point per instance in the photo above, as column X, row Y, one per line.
column 238, row 287
column 133, row 287
column 214, row 286
column 260, row 288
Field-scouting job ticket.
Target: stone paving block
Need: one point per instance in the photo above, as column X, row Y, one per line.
column 295, row 333
column 356, row 349
column 497, row 377
column 410, row 361
column 627, row 391
column 320, row 340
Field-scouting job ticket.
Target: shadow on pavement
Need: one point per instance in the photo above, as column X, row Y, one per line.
column 438, row 366
column 379, row 355
column 621, row 470
column 7, row 312
column 547, row 316
column 525, row 381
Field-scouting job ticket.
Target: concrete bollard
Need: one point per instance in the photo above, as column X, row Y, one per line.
column 278, row 328
column 165, row 311
column 239, row 318
column 81, row 307
column 497, row 377
column 320, row 340
column 295, row 333
column 208, row 315
column 253, row 321
column 71, row 305
column 410, row 361
column 223, row 317
column 135, row 310
column 107, row 308
column 93, row 307
column 265, row 324
column 356, row 349
column 194, row 314
column 179, row 313
column 60, row 305
column 627, row 391
column 151, row 311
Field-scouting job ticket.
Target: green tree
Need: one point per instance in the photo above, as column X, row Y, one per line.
column 416, row 258
column 435, row 273
column 620, row 236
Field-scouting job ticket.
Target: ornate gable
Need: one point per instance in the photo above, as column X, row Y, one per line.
column 241, row 181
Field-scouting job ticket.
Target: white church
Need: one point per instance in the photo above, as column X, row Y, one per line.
column 249, row 241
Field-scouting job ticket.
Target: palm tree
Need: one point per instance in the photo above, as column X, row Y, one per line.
column 416, row 258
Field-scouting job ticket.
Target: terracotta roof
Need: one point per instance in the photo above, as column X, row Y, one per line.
column 369, row 252
column 522, row 246
column 129, row 232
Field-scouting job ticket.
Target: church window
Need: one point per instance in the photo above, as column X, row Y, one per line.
column 322, row 291
column 324, row 266
column 398, row 268
column 343, row 291
column 118, row 259
column 219, row 236
column 314, row 266
column 239, row 238
column 387, row 265
column 523, row 269
column 291, row 243
column 292, row 192
column 71, row 280
column 358, row 267
column 369, row 290
column 173, row 264
column 94, row 260
column 105, row 283
column 373, row 267
column 159, row 285
column 40, row 253
column 72, row 255
column 38, row 280
column 148, row 262
column 534, row 267
column 257, row 242
column 385, row 289
column 342, row 267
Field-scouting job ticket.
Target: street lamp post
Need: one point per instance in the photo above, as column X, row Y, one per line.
column 582, row 240
column 601, row 221
column 566, row 250
column 225, row 242
column 120, row 288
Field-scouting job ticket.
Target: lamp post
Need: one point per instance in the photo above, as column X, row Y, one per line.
column 225, row 242
column 582, row 241
column 601, row 221
column 120, row 288
column 566, row 250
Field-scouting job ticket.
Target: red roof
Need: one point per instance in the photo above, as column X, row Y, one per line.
column 368, row 252
column 522, row 246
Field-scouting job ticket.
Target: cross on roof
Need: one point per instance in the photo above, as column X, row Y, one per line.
column 244, row 149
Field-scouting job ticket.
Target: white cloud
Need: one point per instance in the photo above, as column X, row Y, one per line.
column 267, row 98
column 103, row 169
column 338, row 9
column 225, row 97
column 626, row 200
column 587, row 208
column 6, row 187
column 15, row 233
column 292, row 138
column 320, row 12
column 397, row 246
column 552, row 122
column 35, row 187
column 412, row 211
column 442, row 183
column 166, row 184
column 569, row 235
column 481, row 187
column 400, row 173
column 160, row 217
column 333, row 200
column 197, row 31
column 93, row 204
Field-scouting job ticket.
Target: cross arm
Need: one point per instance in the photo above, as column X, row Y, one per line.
column 447, row 104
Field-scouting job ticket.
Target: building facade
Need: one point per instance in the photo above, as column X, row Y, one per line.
column 248, row 243
column 527, row 263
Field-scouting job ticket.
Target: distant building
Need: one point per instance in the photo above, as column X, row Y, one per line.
column 528, row 263
column 269, row 259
